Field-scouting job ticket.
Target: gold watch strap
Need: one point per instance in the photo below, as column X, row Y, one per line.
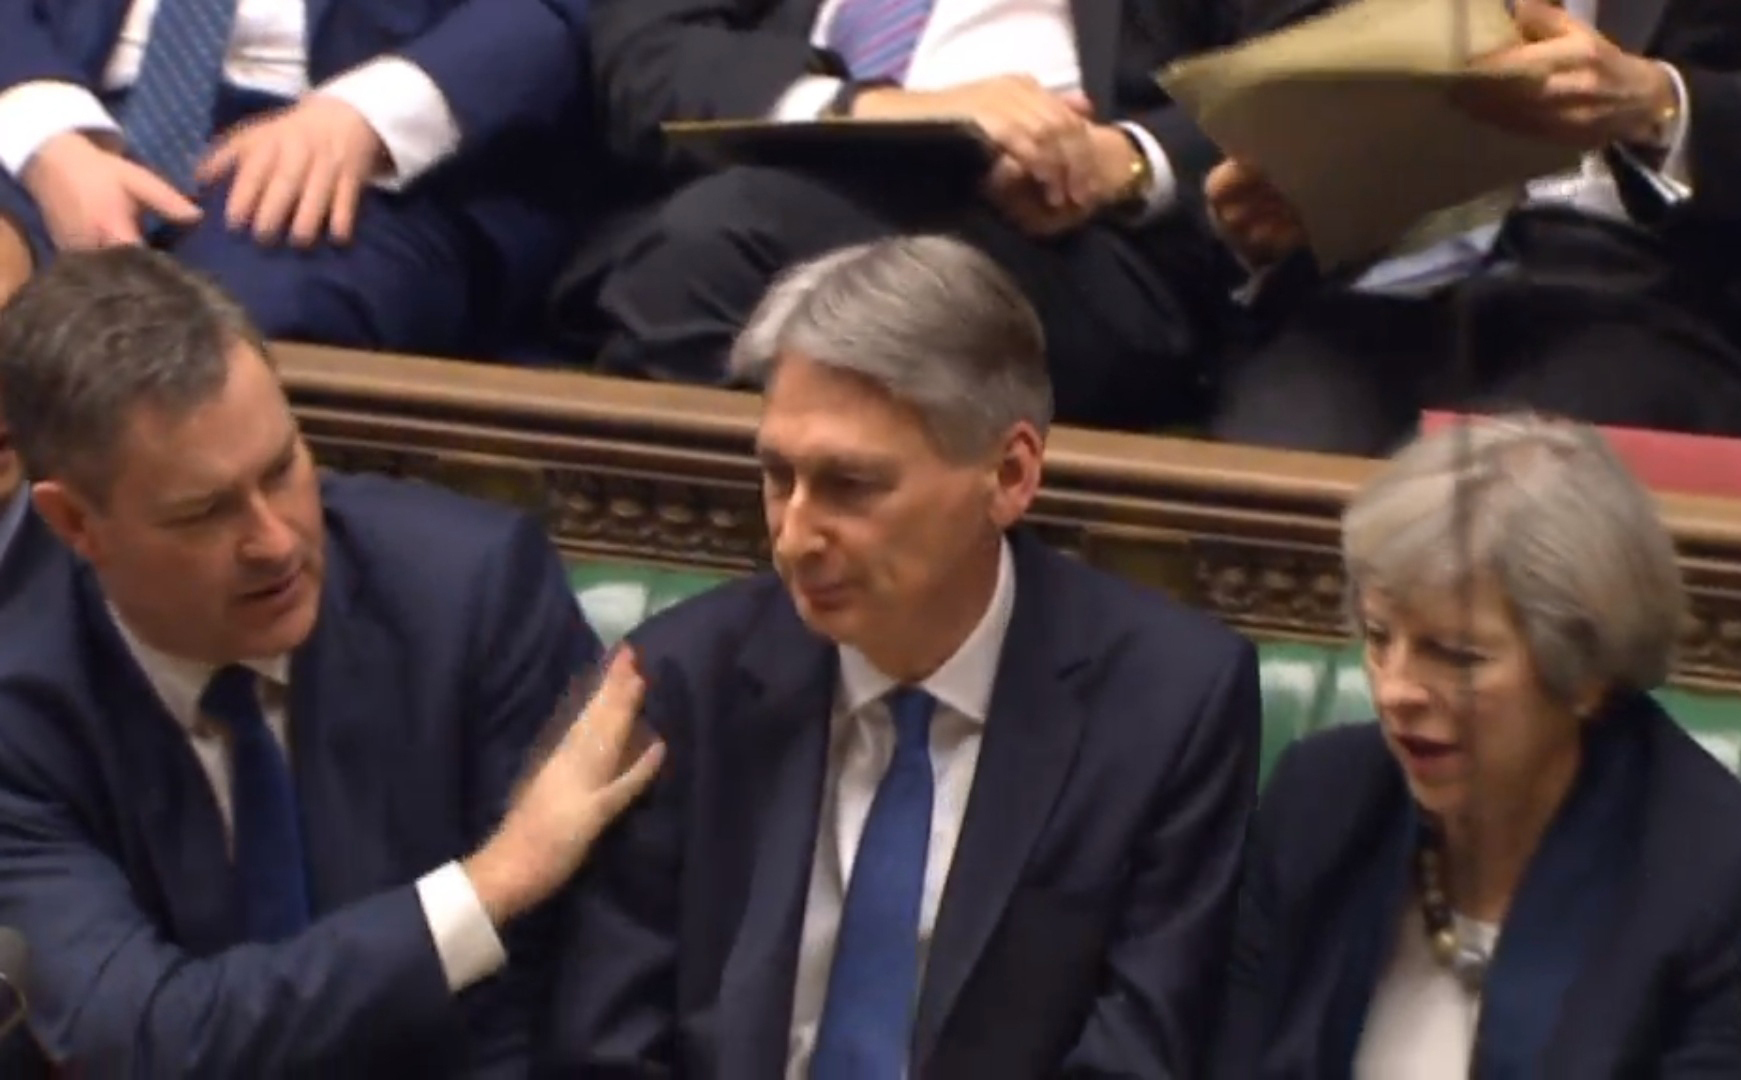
column 1141, row 178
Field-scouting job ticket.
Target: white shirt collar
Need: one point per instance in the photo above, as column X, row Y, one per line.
column 180, row 683
column 964, row 681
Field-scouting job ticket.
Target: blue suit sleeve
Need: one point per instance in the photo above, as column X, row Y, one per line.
column 28, row 51
column 112, row 997
column 506, row 64
column 531, row 641
column 1166, row 963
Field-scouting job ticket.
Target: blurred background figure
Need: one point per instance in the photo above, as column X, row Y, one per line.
column 395, row 174
column 1607, row 294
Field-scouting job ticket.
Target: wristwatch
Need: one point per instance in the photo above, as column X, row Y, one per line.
column 1132, row 197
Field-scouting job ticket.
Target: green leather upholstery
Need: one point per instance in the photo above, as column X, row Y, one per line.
column 1305, row 686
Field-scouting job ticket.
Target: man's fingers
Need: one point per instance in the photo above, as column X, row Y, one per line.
column 347, row 193
column 1538, row 20
column 610, row 716
column 309, row 219
column 153, row 192
column 217, row 164
column 625, row 789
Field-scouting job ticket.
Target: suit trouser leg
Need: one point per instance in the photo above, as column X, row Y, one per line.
column 403, row 282
column 683, row 284
column 1350, row 373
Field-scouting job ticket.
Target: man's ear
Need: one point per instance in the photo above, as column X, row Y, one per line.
column 68, row 515
column 1016, row 478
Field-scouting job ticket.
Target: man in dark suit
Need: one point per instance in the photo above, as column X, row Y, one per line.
column 1608, row 294
column 258, row 728
column 399, row 174
column 929, row 761
column 1092, row 205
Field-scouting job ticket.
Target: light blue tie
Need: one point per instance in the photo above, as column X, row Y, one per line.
column 876, row 38
column 167, row 117
column 867, row 1018
column 271, row 870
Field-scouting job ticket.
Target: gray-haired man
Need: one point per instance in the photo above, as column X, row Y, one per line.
column 927, row 761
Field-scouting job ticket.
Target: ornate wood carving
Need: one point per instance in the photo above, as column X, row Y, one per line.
column 646, row 472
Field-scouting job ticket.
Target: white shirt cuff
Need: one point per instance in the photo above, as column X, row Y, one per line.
column 408, row 111
column 32, row 113
column 1164, row 185
column 1675, row 166
column 465, row 939
column 805, row 99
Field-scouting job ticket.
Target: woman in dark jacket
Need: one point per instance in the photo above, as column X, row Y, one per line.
column 1524, row 868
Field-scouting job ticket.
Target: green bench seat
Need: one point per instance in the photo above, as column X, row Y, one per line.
column 1305, row 686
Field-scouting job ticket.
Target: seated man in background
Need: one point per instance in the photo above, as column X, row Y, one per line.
column 397, row 174
column 1609, row 295
column 258, row 727
column 941, row 802
column 1089, row 206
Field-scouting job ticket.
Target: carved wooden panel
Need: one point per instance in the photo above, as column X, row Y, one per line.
column 633, row 470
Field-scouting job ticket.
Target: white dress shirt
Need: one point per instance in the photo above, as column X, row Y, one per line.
column 1421, row 1022
column 465, row 939
column 968, row 40
column 1590, row 188
column 861, row 744
column 267, row 54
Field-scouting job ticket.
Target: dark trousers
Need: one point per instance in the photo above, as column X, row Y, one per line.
column 402, row 283
column 677, row 286
column 1574, row 317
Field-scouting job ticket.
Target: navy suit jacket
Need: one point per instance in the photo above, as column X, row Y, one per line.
column 1084, row 925
column 447, row 633
column 1621, row 951
column 514, row 72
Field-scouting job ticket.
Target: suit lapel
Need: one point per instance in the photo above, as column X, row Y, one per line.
column 1630, row 24
column 178, row 815
column 1026, row 753
column 1097, row 48
column 341, row 703
column 787, row 677
column 1367, row 924
column 1565, row 898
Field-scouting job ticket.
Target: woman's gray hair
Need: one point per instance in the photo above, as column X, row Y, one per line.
column 929, row 319
column 1554, row 519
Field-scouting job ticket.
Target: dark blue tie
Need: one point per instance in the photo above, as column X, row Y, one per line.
column 167, row 117
column 867, row 1019
column 271, row 872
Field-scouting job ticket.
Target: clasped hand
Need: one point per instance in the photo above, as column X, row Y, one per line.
column 1573, row 85
column 296, row 174
column 1056, row 167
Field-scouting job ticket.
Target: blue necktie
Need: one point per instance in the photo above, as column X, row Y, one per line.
column 167, row 117
column 873, row 986
column 876, row 38
column 271, row 874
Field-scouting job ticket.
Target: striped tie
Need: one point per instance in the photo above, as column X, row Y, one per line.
column 167, row 117
column 876, row 38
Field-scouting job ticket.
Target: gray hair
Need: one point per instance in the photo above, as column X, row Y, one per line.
column 929, row 319
column 97, row 334
column 1555, row 520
